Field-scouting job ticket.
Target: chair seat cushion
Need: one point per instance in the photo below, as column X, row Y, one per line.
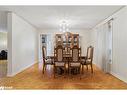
column 75, row 64
column 83, row 60
column 88, row 61
column 59, row 63
column 48, row 61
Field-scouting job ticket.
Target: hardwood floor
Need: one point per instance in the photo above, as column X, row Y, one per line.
column 3, row 68
column 32, row 78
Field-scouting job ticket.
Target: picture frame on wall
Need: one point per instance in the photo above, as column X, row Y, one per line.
column 43, row 40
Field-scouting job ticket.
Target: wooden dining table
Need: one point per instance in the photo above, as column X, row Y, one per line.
column 67, row 58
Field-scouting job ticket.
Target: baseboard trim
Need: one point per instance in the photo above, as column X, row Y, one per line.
column 119, row 77
column 22, row 69
column 114, row 74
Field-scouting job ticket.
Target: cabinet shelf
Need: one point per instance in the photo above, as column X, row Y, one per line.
column 67, row 39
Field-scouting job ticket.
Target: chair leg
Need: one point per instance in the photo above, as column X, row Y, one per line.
column 65, row 71
column 43, row 69
column 91, row 68
column 87, row 67
column 69, row 71
column 80, row 72
column 82, row 69
column 54, row 71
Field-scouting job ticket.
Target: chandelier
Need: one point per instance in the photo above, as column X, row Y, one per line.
column 64, row 26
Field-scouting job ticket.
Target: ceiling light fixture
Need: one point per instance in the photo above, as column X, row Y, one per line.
column 64, row 26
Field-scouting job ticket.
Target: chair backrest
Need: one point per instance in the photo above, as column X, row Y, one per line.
column 75, row 54
column 90, row 50
column 80, row 51
column 69, row 50
column 65, row 50
column 44, row 53
column 59, row 53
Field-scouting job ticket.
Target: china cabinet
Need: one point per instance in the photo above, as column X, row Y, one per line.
column 67, row 39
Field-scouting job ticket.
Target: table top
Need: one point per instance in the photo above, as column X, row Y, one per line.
column 66, row 56
column 50, row 57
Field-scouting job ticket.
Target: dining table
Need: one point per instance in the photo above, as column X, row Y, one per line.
column 66, row 58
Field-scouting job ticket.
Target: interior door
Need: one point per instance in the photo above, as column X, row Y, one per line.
column 49, row 45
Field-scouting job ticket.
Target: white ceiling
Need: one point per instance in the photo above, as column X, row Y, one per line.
column 49, row 17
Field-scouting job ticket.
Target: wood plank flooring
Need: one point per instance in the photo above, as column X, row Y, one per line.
column 32, row 78
column 3, row 68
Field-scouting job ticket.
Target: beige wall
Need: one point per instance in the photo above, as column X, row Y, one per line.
column 22, row 44
column 119, row 43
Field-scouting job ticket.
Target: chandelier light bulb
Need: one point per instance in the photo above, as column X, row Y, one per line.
column 64, row 26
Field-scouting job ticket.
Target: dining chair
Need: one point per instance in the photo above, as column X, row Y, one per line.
column 89, row 59
column 46, row 60
column 75, row 63
column 58, row 61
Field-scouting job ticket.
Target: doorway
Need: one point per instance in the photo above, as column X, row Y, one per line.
column 44, row 40
column 3, row 54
